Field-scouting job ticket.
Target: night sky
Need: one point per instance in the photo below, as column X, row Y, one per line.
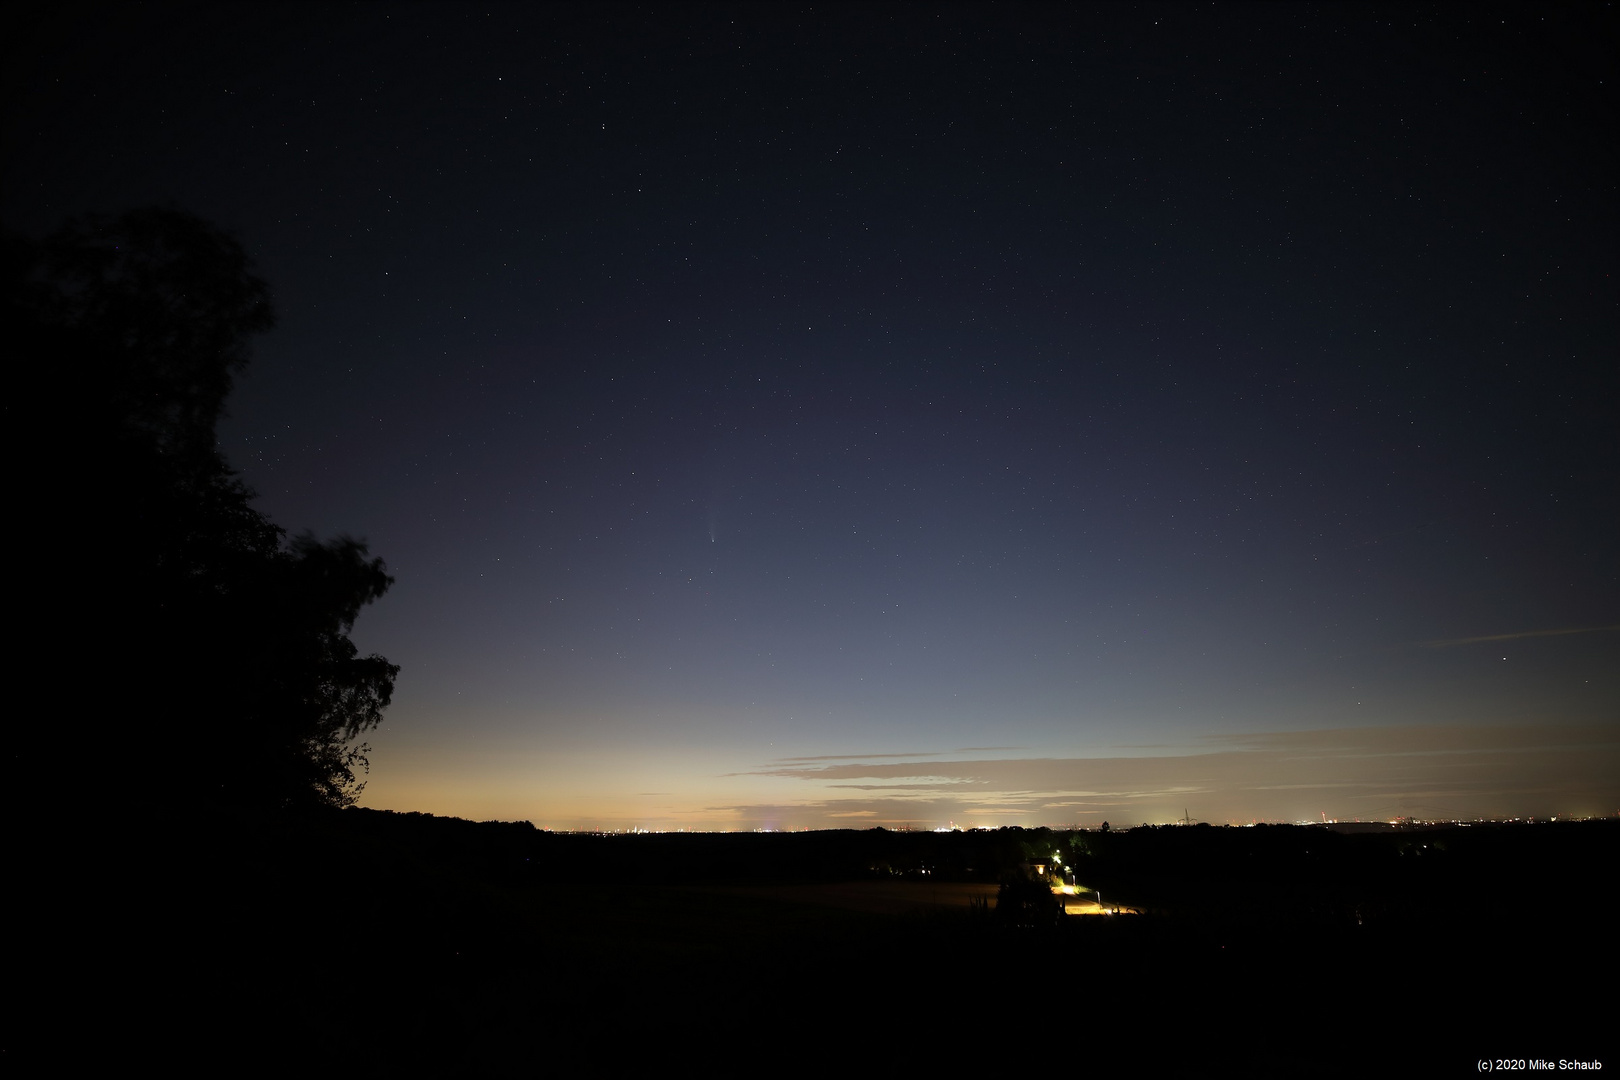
column 839, row 416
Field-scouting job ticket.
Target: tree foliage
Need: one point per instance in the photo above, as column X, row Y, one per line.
column 224, row 668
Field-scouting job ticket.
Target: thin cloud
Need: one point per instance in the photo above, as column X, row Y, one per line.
column 923, row 783
column 1259, row 775
column 1446, row 643
column 862, row 757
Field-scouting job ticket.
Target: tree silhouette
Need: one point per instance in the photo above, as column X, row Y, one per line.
column 1022, row 901
column 223, row 668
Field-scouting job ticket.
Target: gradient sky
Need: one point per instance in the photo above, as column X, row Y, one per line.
column 789, row 417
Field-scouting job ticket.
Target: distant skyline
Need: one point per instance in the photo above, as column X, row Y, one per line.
column 800, row 417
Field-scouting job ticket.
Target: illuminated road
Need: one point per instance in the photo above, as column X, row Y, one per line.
column 1079, row 900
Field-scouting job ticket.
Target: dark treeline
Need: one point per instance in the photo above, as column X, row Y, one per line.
column 188, row 690
column 518, row 853
column 195, row 655
column 1262, row 872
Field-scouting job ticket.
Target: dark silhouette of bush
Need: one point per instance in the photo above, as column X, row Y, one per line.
column 1026, row 902
column 213, row 656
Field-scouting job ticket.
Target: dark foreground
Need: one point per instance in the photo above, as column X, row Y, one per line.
column 386, row 943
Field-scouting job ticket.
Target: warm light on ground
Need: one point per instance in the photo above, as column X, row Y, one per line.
column 1079, row 900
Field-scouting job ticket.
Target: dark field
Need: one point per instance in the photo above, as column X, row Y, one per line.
column 401, row 943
